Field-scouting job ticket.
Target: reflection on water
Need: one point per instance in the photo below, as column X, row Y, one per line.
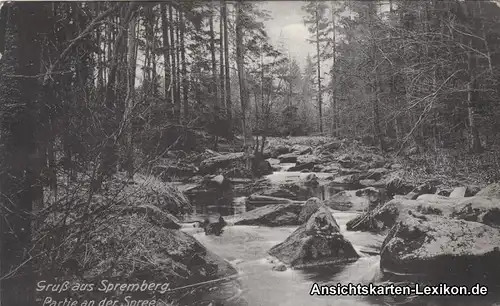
column 222, row 207
column 212, row 204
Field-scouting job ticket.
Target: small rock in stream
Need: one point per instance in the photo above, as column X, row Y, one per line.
column 317, row 242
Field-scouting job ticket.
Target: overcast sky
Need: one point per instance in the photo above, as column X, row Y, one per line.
column 287, row 18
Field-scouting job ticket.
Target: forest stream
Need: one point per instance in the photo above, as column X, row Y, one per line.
column 342, row 142
column 258, row 284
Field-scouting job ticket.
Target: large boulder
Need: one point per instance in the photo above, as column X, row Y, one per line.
column 351, row 179
column 425, row 188
column 374, row 160
column 396, row 183
column 435, row 198
column 261, row 167
column 288, row 158
column 273, row 161
column 310, row 208
column 192, row 259
column 322, row 222
column 349, row 171
column 307, row 167
column 215, row 184
column 458, row 192
column 384, row 217
column 260, row 200
column 254, row 187
column 375, row 174
column 173, row 256
column 444, row 191
column 270, row 215
column 234, row 165
column 278, row 150
column 347, row 161
column 278, row 192
column 306, row 162
column 327, row 168
column 301, row 149
column 328, row 147
column 492, row 190
column 317, row 242
column 374, row 195
column 478, row 209
column 372, row 183
column 214, row 164
column 442, row 249
column 359, row 200
column 472, row 190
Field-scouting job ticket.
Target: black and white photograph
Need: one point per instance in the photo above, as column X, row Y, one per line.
column 250, row 153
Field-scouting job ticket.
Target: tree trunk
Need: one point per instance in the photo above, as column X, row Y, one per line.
column 100, row 69
column 107, row 56
column 240, row 61
column 374, row 84
column 472, row 96
column 166, row 56
column 154, row 76
column 121, row 75
column 221, row 60
column 376, row 118
column 335, row 124
column 261, row 92
column 185, row 83
column 178, row 68
column 173, row 67
column 109, row 160
column 227, row 74
column 320, row 98
column 290, row 91
column 147, row 54
column 214, row 61
column 257, row 115
column 19, row 149
column 472, row 101
column 129, row 99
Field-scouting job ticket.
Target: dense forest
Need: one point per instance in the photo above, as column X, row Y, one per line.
column 93, row 94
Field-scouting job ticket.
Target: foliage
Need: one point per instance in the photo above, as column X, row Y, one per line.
column 426, row 70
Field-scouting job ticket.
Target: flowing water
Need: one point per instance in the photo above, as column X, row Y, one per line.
column 246, row 248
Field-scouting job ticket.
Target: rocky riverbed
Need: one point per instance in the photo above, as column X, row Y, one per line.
column 325, row 214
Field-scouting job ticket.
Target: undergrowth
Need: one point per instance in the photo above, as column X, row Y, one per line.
column 85, row 236
column 299, row 140
column 453, row 167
